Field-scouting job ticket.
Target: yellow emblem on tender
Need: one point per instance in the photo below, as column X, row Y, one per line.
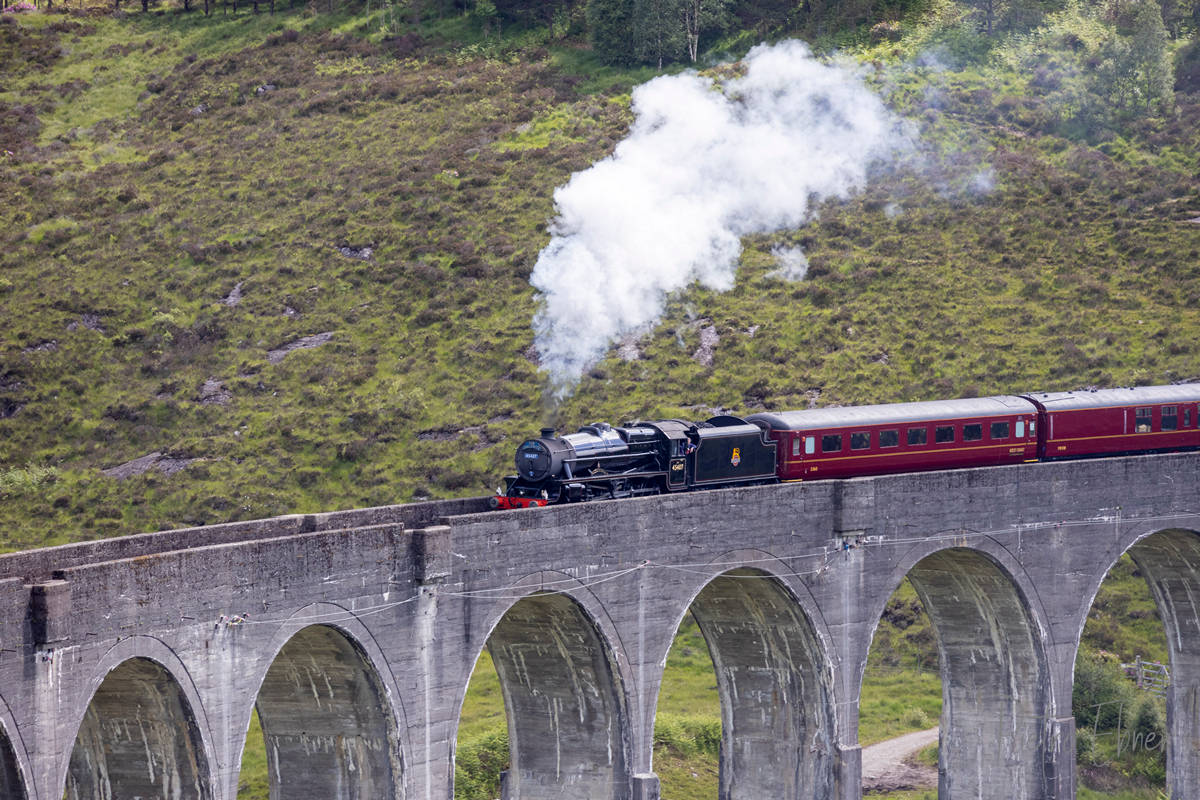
column 737, row 456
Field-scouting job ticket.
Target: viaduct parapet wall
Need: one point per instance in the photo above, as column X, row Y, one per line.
column 130, row 667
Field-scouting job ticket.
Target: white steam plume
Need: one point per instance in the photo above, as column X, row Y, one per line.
column 792, row 264
column 703, row 166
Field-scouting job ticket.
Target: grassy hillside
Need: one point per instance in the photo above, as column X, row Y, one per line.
column 283, row 261
column 291, row 258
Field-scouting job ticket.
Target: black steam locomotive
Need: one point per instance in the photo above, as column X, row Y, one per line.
column 603, row 462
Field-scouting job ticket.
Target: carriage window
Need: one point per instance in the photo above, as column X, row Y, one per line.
column 972, row 433
column 1020, row 429
column 860, row 441
column 999, row 430
column 944, row 433
column 796, row 446
column 810, row 445
column 1141, row 420
column 918, row 435
column 1032, row 427
column 889, row 438
column 831, row 444
column 1170, row 418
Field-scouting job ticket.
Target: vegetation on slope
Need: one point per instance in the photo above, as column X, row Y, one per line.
column 186, row 198
column 289, row 254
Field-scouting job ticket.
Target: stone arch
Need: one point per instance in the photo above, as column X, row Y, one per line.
column 997, row 703
column 139, row 736
column 775, row 685
column 568, row 724
column 1170, row 562
column 327, row 716
column 11, row 771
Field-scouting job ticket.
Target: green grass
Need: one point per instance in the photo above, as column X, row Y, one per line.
column 483, row 705
column 121, row 202
column 124, row 199
column 895, row 702
column 253, row 779
column 687, row 703
column 689, row 686
column 1124, row 619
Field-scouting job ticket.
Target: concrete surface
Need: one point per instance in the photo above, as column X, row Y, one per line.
column 130, row 667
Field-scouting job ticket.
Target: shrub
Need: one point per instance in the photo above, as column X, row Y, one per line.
column 688, row 735
column 478, row 764
column 1085, row 746
column 887, row 31
column 1187, row 68
column 1103, row 695
column 917, row 718
column 28, row 478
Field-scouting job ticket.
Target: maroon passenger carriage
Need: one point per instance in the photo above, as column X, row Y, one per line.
column 1106, row 422
column 948, row 434
column 902, row 437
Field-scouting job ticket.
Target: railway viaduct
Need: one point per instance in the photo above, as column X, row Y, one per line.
column 129, row 667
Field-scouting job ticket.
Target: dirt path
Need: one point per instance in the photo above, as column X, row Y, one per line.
column 885, row 767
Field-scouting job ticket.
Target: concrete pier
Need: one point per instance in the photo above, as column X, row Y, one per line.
column 131, row 667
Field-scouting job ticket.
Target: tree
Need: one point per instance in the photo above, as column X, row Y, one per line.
column 1011, row 15
column 701, row 17
column 658, row 32
column 654, row 31
column 1150, row 57
column 611, row 24
column 485, row 13
column 1174, row 15
column 1113, row 77
column 763, row 16
column 533, row 12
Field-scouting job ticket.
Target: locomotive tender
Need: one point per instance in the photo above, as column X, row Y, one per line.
column 603, row 462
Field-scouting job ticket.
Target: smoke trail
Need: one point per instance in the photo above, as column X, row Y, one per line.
column 703, row 165
column 792, row 264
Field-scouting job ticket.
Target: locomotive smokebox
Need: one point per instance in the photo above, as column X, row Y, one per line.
column 539, row 459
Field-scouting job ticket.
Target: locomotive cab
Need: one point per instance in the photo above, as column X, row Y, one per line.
column 677, row 441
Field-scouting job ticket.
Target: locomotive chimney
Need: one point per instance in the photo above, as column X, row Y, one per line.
column 547, row 433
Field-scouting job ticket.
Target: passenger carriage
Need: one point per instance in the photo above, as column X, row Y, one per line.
column 902, row 437
column 1106, row 422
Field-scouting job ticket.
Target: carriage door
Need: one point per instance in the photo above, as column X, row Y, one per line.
column 677, row 465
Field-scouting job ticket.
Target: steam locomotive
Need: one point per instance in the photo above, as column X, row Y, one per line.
column 638, row 458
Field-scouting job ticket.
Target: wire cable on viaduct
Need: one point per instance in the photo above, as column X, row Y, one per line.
column 130, row 667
